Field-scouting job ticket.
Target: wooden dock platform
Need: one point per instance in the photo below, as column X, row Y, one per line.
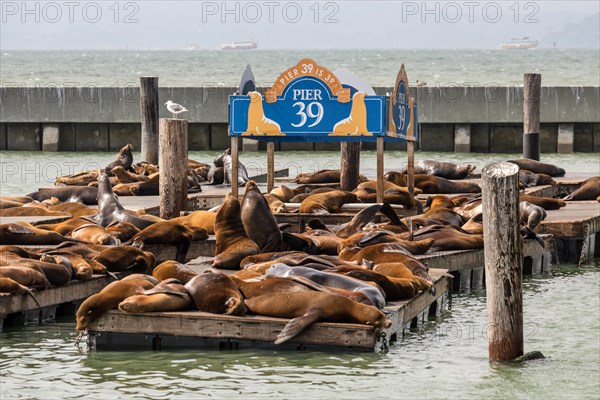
column 162, row 330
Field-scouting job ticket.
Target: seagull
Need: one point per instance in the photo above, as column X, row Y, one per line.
column 420, row 83
column 175, row 108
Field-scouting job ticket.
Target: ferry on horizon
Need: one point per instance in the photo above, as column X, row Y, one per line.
column 520, row 43
column 248, row 45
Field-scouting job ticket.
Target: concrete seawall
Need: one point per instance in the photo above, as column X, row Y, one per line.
column 465, row 119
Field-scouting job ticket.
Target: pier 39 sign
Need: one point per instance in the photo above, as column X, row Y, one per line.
column 308, row 103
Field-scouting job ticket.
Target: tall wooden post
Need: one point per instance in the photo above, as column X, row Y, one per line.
column 173, row 160
column 410, row 151
column 234, row 166
column 149, row 114
column 350, row 165
column 270, row 166
column 380, row 150
column 531, row 116
column 503, row 252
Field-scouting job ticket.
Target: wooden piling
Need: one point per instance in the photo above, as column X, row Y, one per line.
column 350, row 165
column 234, row 166
column 531, row 116
column 149, row 116
column 173, row 159
column 270, row 166
column 503, row 252
column 380, row 145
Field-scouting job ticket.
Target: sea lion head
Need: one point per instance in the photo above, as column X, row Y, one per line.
column 465, row 168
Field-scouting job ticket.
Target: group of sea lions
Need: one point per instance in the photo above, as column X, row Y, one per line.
column 343, row 273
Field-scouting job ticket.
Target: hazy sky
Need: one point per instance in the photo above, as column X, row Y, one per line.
column 293, row 24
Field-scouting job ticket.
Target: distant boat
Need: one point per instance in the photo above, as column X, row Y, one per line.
column 239, row 45
column 521, row 43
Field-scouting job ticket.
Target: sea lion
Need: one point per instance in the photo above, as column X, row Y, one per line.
column 307, row 308
column 538, row 167
column 75, row 209
column 57, row 274
column 399, row 270
column 168, row 295
column 531, row 216
column 547, row 203
column 439, row 201
column 94, row 234
column 25, row 276
column 147, row 188
column 82, row 269
column 253, row 288
column 275, row 205
column 111, row 210
column 375, row 294
column 394, row 288
column 326, row 242
column 124, row 159
column 31, row 212
column 20, row 234
column 445, row 216
column 443, row 169
column 82, row 194
column 225, row 160
column 326, row 203
column 448, row 238
column 83, row 178
column 168, row 232
column 262, row 257
column 259, row 223
column 352, row 249
column 216, row 175
column 430, row 184
column 173, row 269
column 122, row 231
column 8, row 285
column 126, row 258
column 232, row 242
column 322, row 176
column 216, row 293
column 87, row 251
column 363, row 217
column 589, row 190
column 530, row 179
column 283, row 193
column 109, row 299
column 124, row 176
column 199, row 219
column 474, row 225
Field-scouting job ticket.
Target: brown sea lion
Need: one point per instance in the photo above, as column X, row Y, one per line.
column 326, row 203
column 19, row 234
column 262, row 257
column 530, row 179
column 124, row 176
column 394, row 288
column 275, row 205
column 58, row 274
column 216, row 293
column 445, row 216
column 6, row 204
column 109, row 299
column 83, row 178
column 94, row 234
column 589, row 190
column 363, row 217
column 169, row 232
column 443, row 169
column 168, row 295
column 283, row 193
column 87, row 251
column 448, row 238
column 325, row 242
column 16, row 199
column 440, row 201
column 547, row 203
column 25, row 276
column 199, row 219
column 322, row 176
column 352, row 249
column 8, row 285
column 31, row 212
column 259, row 223
column 538, row 167
column 434, row 184
column 122, row 231
column 83, row 194
column 75, row 209
column 126, row 258
column 232, row 242
column 399, row 270
column 531, row 216
column 82, row 269
column 374, row 293
column 147, row 188
column 173, row 269
column 307, row 308
column 253, row 288
column 474, row 225
column 124, row 159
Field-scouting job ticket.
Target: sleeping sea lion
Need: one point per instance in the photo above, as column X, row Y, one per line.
column 216, row 293
column 172, row 269
column 538, row 167
column 168, row 295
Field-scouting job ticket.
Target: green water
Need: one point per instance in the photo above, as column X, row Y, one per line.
column 24, row 172
column 445, row 359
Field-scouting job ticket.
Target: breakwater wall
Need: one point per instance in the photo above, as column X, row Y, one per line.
column 463, row 119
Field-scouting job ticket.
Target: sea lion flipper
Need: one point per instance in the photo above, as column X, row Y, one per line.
column 297, row 325
column 20, row 229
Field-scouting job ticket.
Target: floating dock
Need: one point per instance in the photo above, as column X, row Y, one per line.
column 162, row 330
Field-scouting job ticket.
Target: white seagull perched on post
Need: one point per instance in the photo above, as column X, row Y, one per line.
column 175, row 108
